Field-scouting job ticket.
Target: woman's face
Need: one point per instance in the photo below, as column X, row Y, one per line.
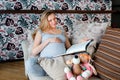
column 52, row 20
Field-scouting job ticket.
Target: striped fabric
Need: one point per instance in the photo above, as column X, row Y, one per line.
column 107, row 57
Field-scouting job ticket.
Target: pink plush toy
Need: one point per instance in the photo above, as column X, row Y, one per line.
column 76, row 68
column 88, row 69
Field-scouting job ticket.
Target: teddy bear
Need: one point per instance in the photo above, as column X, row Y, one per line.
column 87, row 70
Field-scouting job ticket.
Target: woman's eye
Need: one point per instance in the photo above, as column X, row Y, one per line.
column 55, row 19
column 49, row 20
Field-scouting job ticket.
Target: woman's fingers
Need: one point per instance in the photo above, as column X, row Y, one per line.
column 55, row 40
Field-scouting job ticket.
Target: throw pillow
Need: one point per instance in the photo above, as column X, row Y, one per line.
column 107, row 57
column 54, row 67
column 96, row 31
column 79, row 32
column 88, row 30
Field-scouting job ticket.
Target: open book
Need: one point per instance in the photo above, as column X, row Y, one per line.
column 78, row 47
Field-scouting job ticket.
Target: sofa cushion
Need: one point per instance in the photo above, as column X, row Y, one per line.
column 54, row 67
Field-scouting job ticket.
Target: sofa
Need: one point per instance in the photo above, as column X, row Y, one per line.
column 93, row 31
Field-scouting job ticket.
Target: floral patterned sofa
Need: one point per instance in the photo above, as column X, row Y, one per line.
column 90, row 30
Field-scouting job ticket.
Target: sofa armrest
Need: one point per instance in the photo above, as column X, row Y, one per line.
column 25, row 45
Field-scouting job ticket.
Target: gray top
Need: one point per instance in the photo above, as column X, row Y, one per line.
column 53, row 49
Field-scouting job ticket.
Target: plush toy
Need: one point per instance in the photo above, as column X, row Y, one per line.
column 88, row 69
column 81, row 68
column 76, row 68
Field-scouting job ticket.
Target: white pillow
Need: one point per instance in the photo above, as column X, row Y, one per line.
column 79, row 32
column 88, row 30
column 97, row 31
column 78, row 47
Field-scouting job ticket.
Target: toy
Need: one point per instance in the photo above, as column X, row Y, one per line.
column 82, row 69
column 76, row 68
column 86, row 66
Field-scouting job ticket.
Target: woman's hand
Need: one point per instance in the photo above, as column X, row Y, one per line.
column 55, row 40
column 84, row 39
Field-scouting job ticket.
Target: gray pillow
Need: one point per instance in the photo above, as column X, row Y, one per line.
column 54, row 67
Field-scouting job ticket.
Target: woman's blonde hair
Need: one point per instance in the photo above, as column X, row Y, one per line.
column 44, row 21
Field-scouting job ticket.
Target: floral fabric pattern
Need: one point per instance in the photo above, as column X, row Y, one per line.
column 13, row 27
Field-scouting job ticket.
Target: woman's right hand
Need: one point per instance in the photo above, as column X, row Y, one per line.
column 55, row 40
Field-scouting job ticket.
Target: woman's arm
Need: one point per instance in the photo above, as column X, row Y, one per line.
column 38, row 46
column 67, row 42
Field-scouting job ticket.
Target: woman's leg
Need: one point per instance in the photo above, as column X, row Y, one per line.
column 32, row 67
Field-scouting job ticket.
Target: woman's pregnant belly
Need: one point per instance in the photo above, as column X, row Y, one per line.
column 53, row 49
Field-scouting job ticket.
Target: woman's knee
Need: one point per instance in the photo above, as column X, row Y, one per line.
column 33, row 67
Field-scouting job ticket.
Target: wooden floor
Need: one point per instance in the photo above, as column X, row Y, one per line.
column 12, row 70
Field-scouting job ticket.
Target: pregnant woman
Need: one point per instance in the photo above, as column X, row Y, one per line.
column 48, row 42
